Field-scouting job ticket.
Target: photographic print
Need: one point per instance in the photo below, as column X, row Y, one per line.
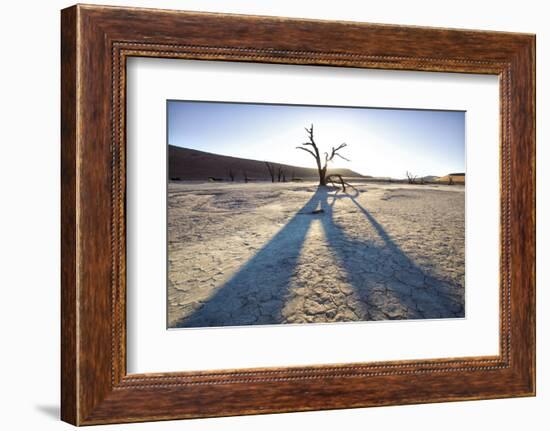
column 297, row 214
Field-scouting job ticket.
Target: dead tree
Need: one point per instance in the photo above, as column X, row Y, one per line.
column 322, row 164
column 245, row 177
column 281, row 174
column 411, row 178
column 271, row 170
column 231, row 175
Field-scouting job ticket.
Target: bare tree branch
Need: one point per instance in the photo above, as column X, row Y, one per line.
column 334, row 152
column 305, row 149
column 322, row 168
column 342, row 157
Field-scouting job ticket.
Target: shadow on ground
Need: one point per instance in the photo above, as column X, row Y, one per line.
column 386, row 282
column 52, row 411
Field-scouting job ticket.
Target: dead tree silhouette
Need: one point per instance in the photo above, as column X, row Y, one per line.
column 322, row 166
column 271, row 170
column 281, row 174
column 411, row 179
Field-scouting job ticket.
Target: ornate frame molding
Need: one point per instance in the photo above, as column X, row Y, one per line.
column 96, row 41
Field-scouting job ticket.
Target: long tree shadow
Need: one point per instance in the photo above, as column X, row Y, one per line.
column 387, row 282
column 390, row 283
column 255, row 294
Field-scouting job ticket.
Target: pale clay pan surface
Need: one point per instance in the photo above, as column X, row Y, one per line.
column 263, row 253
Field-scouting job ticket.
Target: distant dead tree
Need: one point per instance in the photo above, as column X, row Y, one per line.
column 271, row 170
column 322, row 165
column 231, row 175
column 245, row 177
column 281, row 174
column 411, row 178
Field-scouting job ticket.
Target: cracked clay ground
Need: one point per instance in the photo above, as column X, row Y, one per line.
column 248, row 254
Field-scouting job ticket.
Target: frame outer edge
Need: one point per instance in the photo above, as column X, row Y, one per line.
column 533, row 53
column 532, row 83
column 523, row 215
column 69, row 197
column 88, row 397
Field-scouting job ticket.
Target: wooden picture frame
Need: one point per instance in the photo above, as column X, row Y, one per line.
column 95, row 43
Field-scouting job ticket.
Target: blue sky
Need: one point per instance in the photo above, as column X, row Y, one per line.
column 381, row 142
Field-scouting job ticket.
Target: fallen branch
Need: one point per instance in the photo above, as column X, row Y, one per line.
column 341, row 180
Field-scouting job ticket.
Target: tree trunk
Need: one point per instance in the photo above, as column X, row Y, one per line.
column 323, row 176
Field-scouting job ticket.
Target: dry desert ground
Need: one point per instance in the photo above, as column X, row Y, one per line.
column 270, row 253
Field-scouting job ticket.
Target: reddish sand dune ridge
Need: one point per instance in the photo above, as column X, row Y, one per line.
column 187, row 164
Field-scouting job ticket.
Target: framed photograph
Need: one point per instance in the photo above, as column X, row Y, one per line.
column 264, row 214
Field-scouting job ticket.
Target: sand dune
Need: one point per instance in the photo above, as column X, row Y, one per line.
column 187, row 164
column 458, row 178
